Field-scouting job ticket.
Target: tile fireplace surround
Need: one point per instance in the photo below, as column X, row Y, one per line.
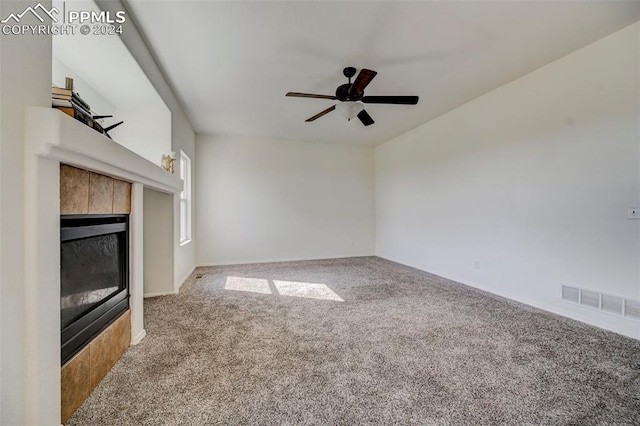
column 86, row 193
column 52, row 139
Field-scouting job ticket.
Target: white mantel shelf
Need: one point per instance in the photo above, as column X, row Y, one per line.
column 53, row 134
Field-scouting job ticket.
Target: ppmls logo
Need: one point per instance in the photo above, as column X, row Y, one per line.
column 33, row 11
column 84, row 22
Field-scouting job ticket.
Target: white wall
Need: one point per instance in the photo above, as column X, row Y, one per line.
column 25, row 74
column 267, row 200
column 158, row 243
column 533, row 180
column 145, row 131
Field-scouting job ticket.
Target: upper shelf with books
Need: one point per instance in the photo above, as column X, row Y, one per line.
column 69, row 102
column 53, row 134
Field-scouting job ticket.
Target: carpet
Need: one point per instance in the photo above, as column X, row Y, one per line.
column 361, row 341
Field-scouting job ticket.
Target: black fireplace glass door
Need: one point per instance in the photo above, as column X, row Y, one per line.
column 91, row 272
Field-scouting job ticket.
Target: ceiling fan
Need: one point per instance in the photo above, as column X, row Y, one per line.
column 352, row 98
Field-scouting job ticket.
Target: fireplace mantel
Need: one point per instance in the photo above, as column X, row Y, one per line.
column 54, row 135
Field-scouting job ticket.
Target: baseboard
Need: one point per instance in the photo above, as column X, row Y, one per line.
column 162, row 293
column 138, row 338
column 183, row 280
column 533, row 303
column 296, row 259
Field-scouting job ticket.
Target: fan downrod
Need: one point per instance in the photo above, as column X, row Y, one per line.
column 342, row 92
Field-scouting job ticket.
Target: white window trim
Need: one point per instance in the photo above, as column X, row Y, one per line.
column 185, row 197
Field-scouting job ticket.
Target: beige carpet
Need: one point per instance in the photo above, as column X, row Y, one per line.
column 361, row 341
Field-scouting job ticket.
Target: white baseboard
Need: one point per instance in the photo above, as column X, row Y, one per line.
column 292, row 259
column 183, row 280
column 138, row 338
column 625, row 331
column 162, row 293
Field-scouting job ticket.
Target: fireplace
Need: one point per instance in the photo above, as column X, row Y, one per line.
column 94, row 276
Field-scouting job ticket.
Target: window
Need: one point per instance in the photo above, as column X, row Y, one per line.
column 185, row 199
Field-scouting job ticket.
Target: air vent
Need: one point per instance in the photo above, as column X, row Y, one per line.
column 612, row 304
column 571, row 294
column 632, row 309
column 620, row 306
column 590, row 298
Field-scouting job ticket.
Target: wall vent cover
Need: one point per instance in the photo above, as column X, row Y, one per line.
column 616, row 305
column 571, row 294
column 590, row 298
column 612, row 304
column 632, row 309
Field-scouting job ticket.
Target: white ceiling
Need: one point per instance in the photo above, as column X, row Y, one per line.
column 231, row 63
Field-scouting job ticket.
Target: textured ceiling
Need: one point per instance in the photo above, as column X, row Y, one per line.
column 231, row 63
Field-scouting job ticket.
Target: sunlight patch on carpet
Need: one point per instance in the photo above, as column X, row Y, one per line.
column 253, row 285
column 308, row 290
column 283, row 288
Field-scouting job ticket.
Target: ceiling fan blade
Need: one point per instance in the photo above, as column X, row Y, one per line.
column 361, row 81
column 310, row 95
column 397, row 100
column 321, row 113
column 365, row 118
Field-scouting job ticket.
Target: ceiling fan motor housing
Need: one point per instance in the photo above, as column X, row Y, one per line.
column 342, row 93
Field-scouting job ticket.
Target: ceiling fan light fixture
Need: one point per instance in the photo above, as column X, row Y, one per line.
column 350, row 109
column 351, row 98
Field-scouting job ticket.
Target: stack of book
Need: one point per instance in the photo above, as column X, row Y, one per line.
column 69, row 102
